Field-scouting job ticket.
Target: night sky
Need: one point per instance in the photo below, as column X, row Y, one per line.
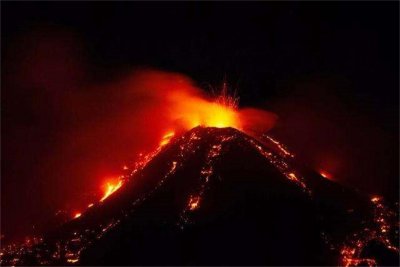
column 328, row 70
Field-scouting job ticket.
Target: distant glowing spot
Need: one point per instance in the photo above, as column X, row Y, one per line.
column 125, row 167
column 72, row 260
column 173, row 165
column 90, row 205
column 194, row 203
column 292, row 176
column 375, row 199
column 77, row 215
column 110, row 189
column 325, row 174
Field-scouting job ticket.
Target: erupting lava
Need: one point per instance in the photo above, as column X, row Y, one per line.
column 193, row 110
column 178, row 104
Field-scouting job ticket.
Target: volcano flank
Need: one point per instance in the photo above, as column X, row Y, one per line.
column 216, row 196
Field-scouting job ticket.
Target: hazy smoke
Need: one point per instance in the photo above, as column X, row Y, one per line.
column 65, row 133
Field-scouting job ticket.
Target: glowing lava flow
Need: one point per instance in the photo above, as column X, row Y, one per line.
column 69, row 248
column 325, row 174
column 110, row 189
column 351, row 252
column 166, row 138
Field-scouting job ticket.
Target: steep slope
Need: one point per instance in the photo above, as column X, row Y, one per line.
column 219, row 197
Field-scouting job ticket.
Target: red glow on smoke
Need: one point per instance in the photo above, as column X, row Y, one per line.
column 153, row 105
column 95, row 128
column 183, row 105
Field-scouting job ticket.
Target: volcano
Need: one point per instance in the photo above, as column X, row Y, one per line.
column 216, row 196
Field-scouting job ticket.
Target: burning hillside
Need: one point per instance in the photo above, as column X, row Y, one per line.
column 216, row 196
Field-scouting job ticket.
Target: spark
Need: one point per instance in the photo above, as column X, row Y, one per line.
column 77, row 215
column 193, row 111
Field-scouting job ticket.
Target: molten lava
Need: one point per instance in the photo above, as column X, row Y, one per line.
column 325, row 174
column 216, row 150
column 166, row 138
column 111, row 187
column 193, row 111
column 194, row 202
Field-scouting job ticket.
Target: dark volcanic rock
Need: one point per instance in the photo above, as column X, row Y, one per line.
column 219, row 197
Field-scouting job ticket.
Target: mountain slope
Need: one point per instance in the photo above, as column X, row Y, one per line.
column 219, row 197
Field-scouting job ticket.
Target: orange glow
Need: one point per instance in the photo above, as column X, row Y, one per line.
column 171, row 104
column 164, row 142
column 375, row 199
column 77, row 215
column 194, row 203
column 325, row 174
column 111, row 187
column 166, row 138
column 174, row 103
column 280, row 146
column 195, row 111
column 169, row 135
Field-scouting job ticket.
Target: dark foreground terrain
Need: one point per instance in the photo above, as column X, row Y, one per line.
column 219, row 197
